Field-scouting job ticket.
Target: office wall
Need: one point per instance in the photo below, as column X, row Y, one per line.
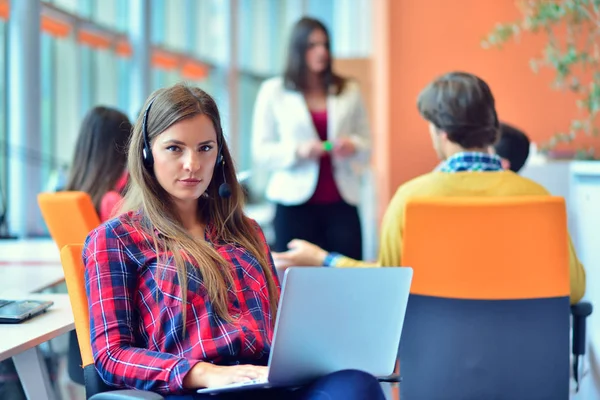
column 415, row 41
column 358, row 69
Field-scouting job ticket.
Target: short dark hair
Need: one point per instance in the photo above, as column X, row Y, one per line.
column 462, row 105
column 513, row 146
column 294, row 76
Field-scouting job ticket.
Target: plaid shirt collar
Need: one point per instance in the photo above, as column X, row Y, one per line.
column 471, row 161
column 210, row 232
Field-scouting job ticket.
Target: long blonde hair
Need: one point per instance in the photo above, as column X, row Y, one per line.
column 170, row 106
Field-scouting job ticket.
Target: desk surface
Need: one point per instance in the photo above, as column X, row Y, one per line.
column 29, row 251
column 57, row 321
column 20, row 279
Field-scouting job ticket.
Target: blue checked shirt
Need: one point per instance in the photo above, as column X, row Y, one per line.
column 471, row 161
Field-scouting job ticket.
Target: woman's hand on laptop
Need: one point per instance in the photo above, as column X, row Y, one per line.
column 206, row 375
column 300, row 254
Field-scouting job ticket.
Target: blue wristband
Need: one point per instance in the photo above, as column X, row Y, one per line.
column 331, row 259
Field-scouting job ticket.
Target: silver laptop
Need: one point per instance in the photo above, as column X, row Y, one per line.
column 331, row 319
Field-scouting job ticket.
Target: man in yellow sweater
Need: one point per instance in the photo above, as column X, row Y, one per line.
column 463, row 124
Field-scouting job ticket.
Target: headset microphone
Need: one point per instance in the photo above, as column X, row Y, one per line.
column 224, row 188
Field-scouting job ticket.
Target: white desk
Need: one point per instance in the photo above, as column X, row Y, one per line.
column 21, row 341
column 30, row 250
column 21, row 279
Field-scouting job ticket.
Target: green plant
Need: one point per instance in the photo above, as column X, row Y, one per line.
column 572, row 50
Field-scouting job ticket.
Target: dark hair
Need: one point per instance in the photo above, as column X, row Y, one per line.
column 296, row 70
column 462, row 105
column 513, row 146
column 100, row 153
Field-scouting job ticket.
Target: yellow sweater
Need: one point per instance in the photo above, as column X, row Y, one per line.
column 438, row 184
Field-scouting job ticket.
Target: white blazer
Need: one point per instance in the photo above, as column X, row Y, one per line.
column 282, row 121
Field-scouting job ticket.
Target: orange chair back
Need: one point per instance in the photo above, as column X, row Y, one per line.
column 72, row 263
column 488, row 313
column 487, row 248
column 69, row 216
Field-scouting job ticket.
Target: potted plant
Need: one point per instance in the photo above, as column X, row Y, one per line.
column 572, row 51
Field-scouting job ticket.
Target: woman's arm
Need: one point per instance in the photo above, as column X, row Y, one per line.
column 111, row 281
column 267, row 147
column 361, row 133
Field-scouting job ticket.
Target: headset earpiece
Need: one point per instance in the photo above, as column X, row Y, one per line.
column 147, row 156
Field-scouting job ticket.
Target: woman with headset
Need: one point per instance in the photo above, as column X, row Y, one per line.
column 181, row 287
column 311, row 132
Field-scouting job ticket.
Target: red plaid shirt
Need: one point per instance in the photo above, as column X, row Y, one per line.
column 136, row 310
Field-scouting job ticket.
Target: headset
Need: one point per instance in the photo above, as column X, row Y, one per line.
column 148, row 158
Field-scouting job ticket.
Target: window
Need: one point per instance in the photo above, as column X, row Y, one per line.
column 124, row 68
column 71, row 6
column 176, row 21
column 212, row 31
column 77, row 76
column 68, row 108
column 105, row 77
column 44, row 156
column 157, row 21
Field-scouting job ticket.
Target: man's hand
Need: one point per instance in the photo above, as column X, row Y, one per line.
column 209, row 375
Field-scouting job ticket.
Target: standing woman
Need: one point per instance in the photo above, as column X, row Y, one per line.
column 311, row 131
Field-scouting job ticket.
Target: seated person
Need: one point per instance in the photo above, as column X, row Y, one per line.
column 460, row 112
column 101, row 158
column 512, row 147
column 181, row 287
column 98, row 169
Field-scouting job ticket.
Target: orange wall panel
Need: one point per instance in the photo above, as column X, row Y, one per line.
column 419, row 40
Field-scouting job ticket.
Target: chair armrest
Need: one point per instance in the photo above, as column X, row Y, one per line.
column 580, row 312
column 393, row 378
column 583, row 309
column 127, row 395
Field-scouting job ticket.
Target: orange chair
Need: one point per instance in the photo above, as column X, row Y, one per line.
column 95, row 388
column 69, row 216
column 488, row 315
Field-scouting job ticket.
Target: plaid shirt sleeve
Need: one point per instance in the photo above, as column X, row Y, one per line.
column 111, row 282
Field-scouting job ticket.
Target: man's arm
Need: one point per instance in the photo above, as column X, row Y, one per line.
column 303, row 253
column 390, row 251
